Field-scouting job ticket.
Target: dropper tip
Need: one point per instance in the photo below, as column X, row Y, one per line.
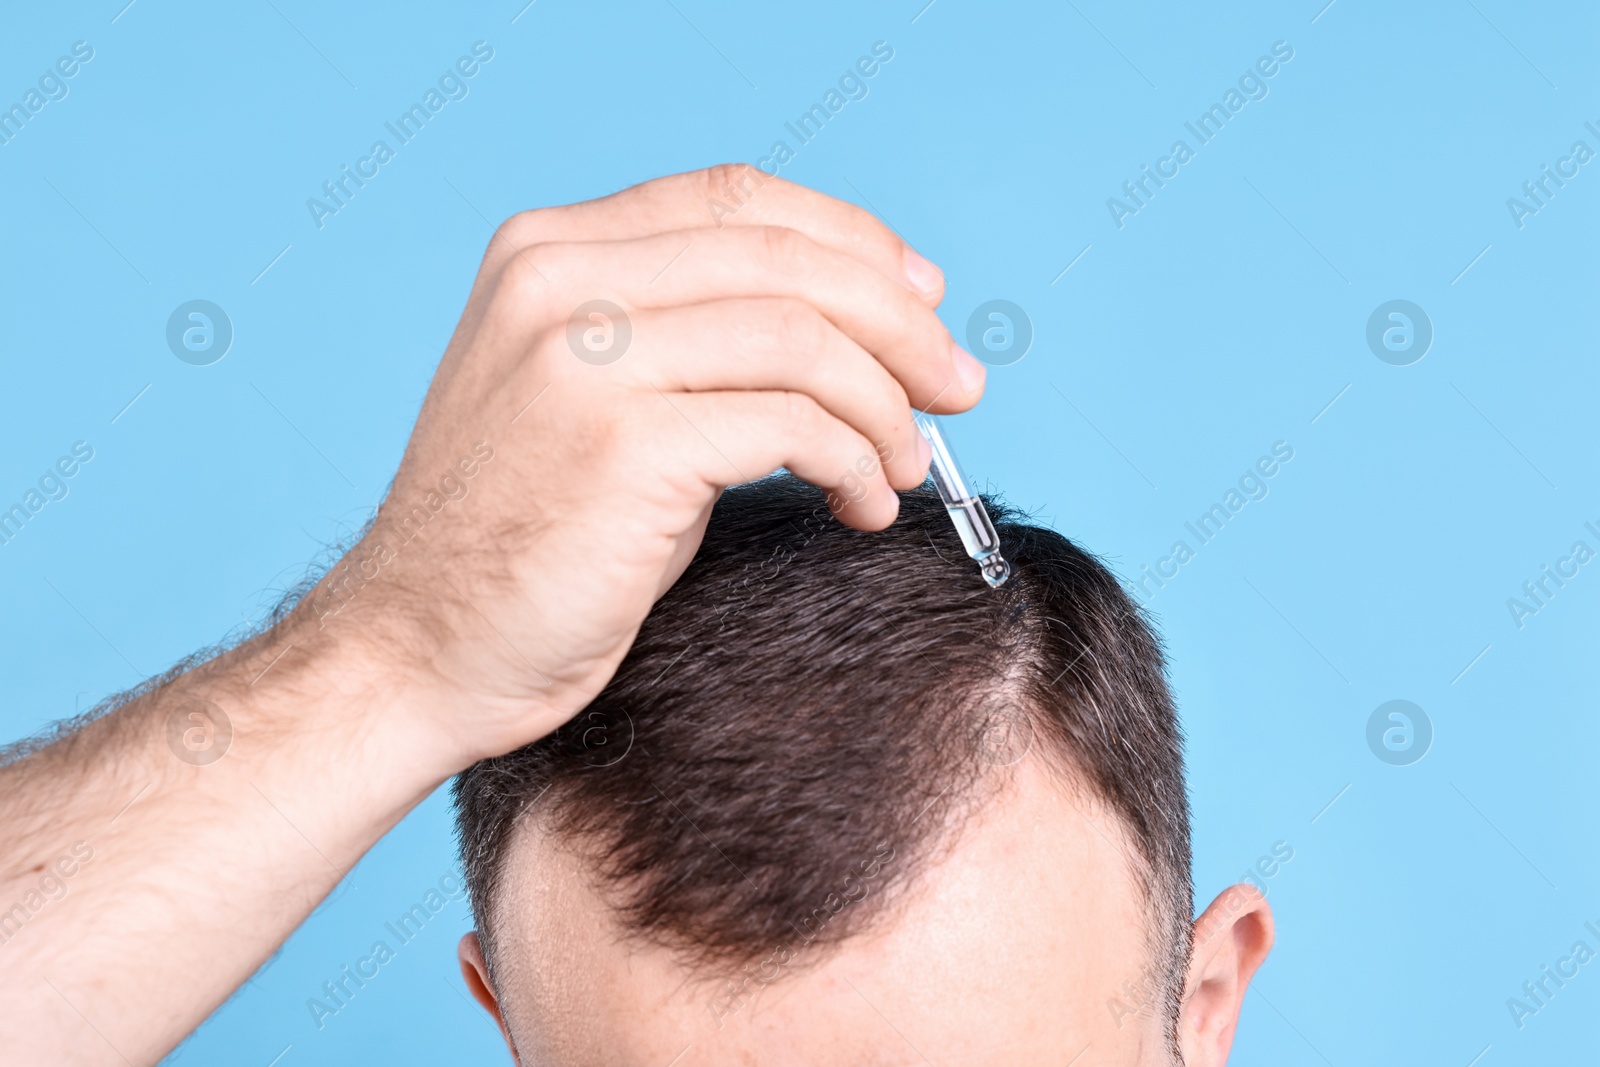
column 995, row 569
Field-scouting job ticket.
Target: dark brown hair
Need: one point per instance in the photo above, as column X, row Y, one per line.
column 809, row 705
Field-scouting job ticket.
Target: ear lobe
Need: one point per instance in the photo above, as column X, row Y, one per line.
column 475, row 972
column 1231, row 939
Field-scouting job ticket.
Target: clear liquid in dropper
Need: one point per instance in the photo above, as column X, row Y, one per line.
column 979, row 539
column 971, row 519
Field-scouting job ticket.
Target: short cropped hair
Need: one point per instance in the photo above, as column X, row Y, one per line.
column 809, row 705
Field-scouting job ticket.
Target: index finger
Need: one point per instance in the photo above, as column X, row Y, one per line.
column 733, row 194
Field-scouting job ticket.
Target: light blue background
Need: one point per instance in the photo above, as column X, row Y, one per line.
column 1223, row 317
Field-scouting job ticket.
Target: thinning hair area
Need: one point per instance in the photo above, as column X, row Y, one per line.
column 809, row 713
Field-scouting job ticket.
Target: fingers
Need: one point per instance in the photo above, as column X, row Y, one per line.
column 778, row 344
column 734, row 437
column 681, row 268
column 733, row 194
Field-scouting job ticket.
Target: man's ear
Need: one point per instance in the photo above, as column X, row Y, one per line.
column 1231, row 938
column 475, row 972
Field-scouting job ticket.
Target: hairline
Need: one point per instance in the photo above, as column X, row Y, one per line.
column 1166, row 951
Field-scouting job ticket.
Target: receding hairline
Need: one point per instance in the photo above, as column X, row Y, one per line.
column 538, row 837
column 538, row 826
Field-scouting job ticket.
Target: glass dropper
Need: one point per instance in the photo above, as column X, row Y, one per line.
column 965, row 507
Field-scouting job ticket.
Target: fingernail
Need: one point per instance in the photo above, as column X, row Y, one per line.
column 969, row 372
column 924, row 450
column 924, row 277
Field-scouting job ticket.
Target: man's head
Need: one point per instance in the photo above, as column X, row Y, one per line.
column 842, row 803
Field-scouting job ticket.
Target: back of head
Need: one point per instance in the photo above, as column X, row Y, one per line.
column 811, row 713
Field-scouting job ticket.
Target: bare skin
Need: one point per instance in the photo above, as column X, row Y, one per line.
column 1025, row 944
column 798, row 334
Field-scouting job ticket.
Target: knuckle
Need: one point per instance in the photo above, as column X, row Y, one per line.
column 801, row 414
column 737, row 179
column 525, row 290
column 872, row 231
column 521, row 282
column 917, row 320
column 734, row 185
column 785, row 251
column 889, row 402
column 519, row 231
column 797, row 325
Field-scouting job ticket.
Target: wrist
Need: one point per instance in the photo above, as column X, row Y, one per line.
column 301, row 709
column 387, row 654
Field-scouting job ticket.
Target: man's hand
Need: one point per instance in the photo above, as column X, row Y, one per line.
column 618, row 363
column 798, row 334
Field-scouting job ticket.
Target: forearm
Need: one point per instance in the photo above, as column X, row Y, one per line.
column 187, row 870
